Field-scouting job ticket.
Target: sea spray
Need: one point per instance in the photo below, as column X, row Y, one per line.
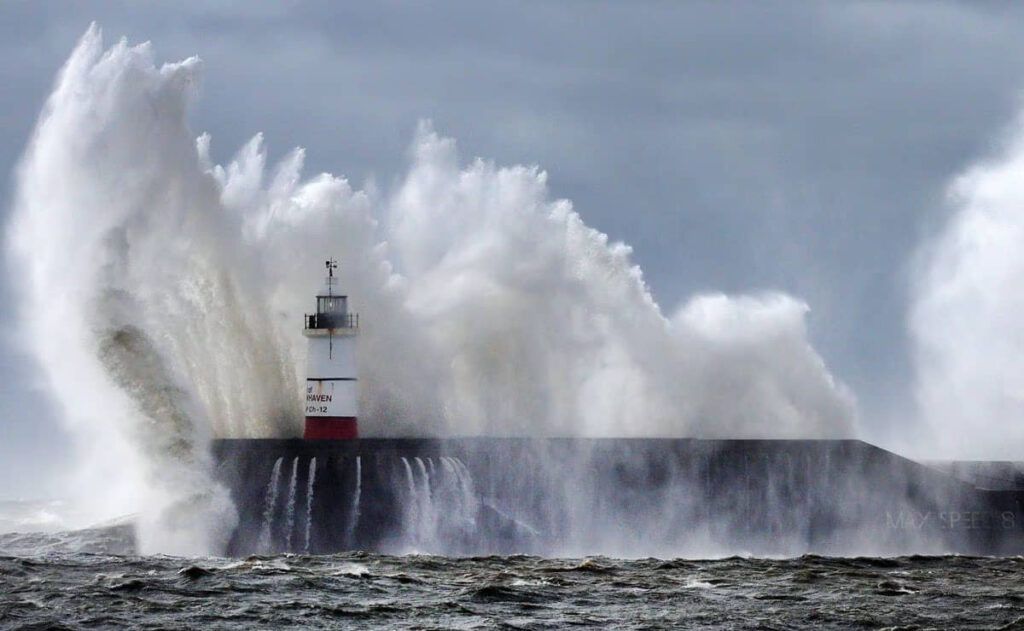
column 353, row 514
column 425, row 494
column 413, row 518
column 269, row 506
column 289, row 524
column 439, row 506
column 454, row 483
column 467, row 494
column 458, row 504
column 964, row 318
column 606, row 361
column 118, row 295
column 309, row 502
column 133, row 248
column 471, row 260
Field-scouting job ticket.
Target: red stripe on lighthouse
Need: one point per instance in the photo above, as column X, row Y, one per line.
column 331, row 428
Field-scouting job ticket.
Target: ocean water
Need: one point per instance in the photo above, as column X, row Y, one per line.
column 85, row 581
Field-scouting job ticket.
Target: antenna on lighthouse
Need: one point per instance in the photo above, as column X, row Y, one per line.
column 331, row 265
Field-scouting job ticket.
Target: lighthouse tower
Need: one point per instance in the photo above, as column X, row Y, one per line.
column 332, row 386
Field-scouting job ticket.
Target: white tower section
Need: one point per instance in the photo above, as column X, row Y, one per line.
column 332, row 385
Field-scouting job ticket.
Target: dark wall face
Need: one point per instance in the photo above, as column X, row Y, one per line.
column 664, row 498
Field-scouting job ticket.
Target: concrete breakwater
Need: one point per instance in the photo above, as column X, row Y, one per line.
column 619, row 497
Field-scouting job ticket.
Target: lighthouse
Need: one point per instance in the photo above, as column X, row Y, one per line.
column 332, row 386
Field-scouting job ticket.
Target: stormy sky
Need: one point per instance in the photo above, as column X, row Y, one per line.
column 803, row 147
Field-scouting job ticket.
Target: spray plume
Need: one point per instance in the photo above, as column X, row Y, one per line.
column 163, row 295
column 965, row 315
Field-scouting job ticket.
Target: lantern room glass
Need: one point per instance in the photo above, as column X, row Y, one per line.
column 332, row 305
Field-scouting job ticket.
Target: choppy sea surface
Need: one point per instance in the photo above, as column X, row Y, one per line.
column 82, row 581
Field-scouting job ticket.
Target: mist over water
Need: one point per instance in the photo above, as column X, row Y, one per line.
column 163, row 296
column 966, row 313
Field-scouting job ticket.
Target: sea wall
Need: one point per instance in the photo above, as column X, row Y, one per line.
column 628, row 497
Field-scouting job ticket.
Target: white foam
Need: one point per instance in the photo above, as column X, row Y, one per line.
column 966, row 300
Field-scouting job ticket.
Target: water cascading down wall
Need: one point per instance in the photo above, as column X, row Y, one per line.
column 629, row 497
